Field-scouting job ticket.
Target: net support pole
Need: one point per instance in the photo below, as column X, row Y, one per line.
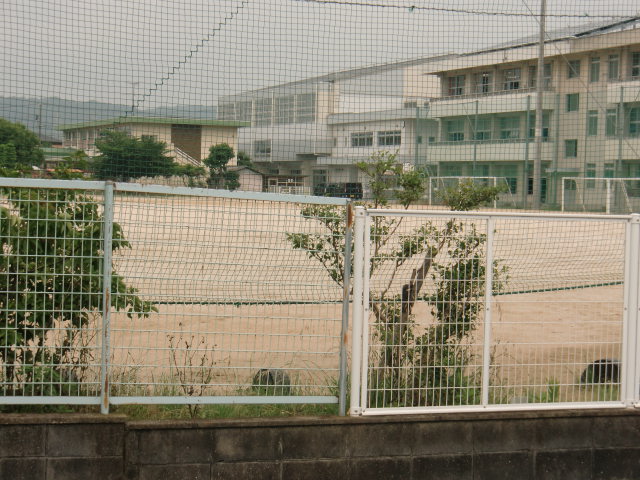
column 107, row 269
column 488, row 297
column 537, row 163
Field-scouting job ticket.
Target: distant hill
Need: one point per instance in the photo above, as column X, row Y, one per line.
column 56, row 111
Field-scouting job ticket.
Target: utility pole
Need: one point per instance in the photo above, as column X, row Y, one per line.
column 537, row 162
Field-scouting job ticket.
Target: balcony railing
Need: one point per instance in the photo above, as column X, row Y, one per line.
column 488, row 142
column 490, row 94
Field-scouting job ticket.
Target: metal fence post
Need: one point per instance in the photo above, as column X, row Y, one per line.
column 346, row 284
column 488, row 296
column 355, row 407
column 366, row 274
column 107, row 269
column 630, row 358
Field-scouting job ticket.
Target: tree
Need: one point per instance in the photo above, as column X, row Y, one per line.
column 72, row 166
column 124, row 157
column 51, row 255
column 192, row 174
column 217, row 161
column 244, row 160
column 413, row 366
column 19, row 147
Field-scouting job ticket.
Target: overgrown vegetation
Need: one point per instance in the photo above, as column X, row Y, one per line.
column 426, row 361
column 192, row 365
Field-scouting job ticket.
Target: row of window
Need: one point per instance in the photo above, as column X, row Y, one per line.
column 387, row 138
column 611, row 122
column 482, row 128
column 613, row 67
column 299, row 108
column 511, row 78
column 508, row 128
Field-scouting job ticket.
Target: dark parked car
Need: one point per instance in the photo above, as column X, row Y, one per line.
column 342, row 190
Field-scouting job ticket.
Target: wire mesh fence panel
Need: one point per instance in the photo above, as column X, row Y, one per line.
column 560, row 309
column 426, row 295
column 51, row 293
column 239, row 305
column 477, row 311
column 163, row 295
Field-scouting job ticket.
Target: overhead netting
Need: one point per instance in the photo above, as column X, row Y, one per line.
column 292, row 94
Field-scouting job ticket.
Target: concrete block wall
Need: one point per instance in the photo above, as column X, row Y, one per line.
column 61, row 447
column 602, row 444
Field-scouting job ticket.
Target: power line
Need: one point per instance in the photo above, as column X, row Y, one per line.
column 411, row 8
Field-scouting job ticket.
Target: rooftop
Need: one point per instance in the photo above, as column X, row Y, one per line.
column 153, row 120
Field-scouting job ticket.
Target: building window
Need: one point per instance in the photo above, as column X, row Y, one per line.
column 264, row 108
column 571, row 148
column 243, row 111
column 532, row 125
column 533, row 76
column 483, row 129
column 573, row 102
column 306, row 108
column 389, row 138
column 227, row 111
column 455, row 130
column 285, row 109
column 590, row 172
column 594, row 69
column 543, row 187
column 456, row 85
column 451, row 170
column 362, row 139
column 614, row 67
column 611, row 124
column 483, row 82
column 609, row 170
column 509, row 128
column 262, row 148
column 511, row 79
column 634, row 122
column 592, row 122
column 635, row 64
column 236, row 111
column 573, row 69
column 295, row 172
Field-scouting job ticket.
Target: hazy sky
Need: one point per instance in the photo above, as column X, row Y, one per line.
column 160, row 52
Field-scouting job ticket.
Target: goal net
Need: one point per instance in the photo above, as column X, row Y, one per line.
column 608, row 195
column 438, row 185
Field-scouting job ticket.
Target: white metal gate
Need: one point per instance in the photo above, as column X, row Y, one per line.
column 458, row 311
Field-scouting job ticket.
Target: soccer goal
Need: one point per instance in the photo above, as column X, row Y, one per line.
column 609, row 195
column 438, row 185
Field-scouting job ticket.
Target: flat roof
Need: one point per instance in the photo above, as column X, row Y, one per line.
column 153, row 120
